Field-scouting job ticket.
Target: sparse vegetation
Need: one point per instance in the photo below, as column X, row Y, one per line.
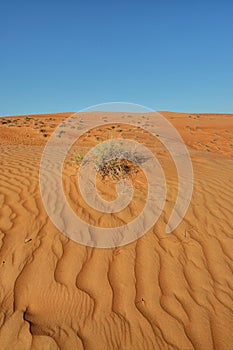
column 77, row 158
column 111, row 162
column 118, row 169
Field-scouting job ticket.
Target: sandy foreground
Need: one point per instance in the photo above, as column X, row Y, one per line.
column 163, row 291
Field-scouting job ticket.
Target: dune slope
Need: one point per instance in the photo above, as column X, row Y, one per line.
column 171, row 292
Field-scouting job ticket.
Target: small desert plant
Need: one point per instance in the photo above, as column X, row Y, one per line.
column 77, row 158
column 111, row 151
column 117, row 169
column 111, row 162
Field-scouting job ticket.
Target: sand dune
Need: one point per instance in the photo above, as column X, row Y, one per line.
column 162, row 291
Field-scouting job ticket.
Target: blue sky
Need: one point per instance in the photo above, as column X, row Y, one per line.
column 67, row 55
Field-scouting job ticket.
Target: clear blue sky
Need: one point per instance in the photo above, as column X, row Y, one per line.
column 67, row 55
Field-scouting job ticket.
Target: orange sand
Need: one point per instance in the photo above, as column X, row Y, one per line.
column 165, row 292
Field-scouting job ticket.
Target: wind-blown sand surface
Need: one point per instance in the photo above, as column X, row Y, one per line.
column 161, row 292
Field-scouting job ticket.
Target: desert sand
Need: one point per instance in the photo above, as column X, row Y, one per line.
column 165, row 292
